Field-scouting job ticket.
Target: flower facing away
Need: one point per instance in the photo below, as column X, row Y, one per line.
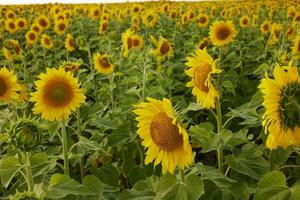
column 201, row 67
column 282, row 107
column 57, row 94
column 9, row 86
column 222, row 33
column 103, row 64
column 167, row 142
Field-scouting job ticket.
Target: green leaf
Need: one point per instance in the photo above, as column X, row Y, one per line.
column 250, row 162
column 95, row 185
column 61, row 186
column 9, row 168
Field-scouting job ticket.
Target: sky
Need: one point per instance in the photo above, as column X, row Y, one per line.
column 9, row 2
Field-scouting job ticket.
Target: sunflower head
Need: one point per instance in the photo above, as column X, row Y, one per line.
column 163, row 49
column 60, row 26
column 21, row 23
column 167, row 142
column 70, row 43
column 70, row 66
column 43, row 22
column 8, row 85
column 103, row 26
column 282, row 107
column 203, row 20
column 103, row 64
column 57, row 94
column 244, row 21
column 201, row 67
column 265, row 27
column 204, row 43
column 31, row 37
column 296, row 47
column 46, row 42
column 222, row 33
column 10, row 25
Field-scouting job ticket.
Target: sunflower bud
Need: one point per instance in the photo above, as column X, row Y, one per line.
column 26, row 135
column 80, row 42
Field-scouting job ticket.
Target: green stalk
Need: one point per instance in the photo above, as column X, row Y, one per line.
column 64, row 141
column 81, row 164
column 28, row 174
column 182, row 175
column 111, row 80
column 219, row 125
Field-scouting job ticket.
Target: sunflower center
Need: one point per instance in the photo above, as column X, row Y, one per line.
column 277, row 33
column 47, row 41
column 36, row 29
column 58, row 94
column 21, row 24
column 129, row 43
column 3, row 86
column 43, row 22
column 203, row 44
column 201, row 75
column 202, row 20
column 136, row 42
column 164, row 49
column 104, row 62
column 299, row 45
column 290, row 105
column 245, row 21
column 165, row 134
column 266, row 27
column 12, row 25
column 71, row 42
column 104, row 26
column 61, row 27
column 32, row 36
column 223, row 33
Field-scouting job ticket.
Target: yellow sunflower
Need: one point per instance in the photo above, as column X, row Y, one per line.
column 222, row 33
column 36, row 28
column 70, row 66
column 281, row 102
column 203, row 20
column 265, row 27
column 202, row 66
column 167, row 142
column 103, row 26
column 204, row 43
column 46, row 41
column 43, row 22
column 10, row 26
column 296, row 47
column 8, row 85
column 21, row 23
column 57, row 94
column 69, row 43
column 137, row 42
column 60, row 26
column 275, row 33
column 244, row 21
column 149, row 18
column 126, row 42
column 31, row 37
column 103, row 64
column 163, row 49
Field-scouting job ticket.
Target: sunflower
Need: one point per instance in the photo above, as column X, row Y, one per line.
column 203, row 20
column 46, row 42
column 265, row 27
column 137, row 42
column 21, row 23
column 12, row 50
column 290, row 32
column 222, row 33
column 94, row 12
column 254, row 20
column 204, row 43
column 297, row 17
column 43, row 22
column 10, row 26
column 70, row 66
column 31, row 37
column 127, row 42
column 69, row 43
column 163, row 49
column 8, row 85
column 291, row 12
column 281, row 102
column 296, row 47
column 103, row 26
column 60, row 26
column 57, row 94
column 103, row 64
column 167, row 142
column 202, row 66
column 275, row 33
column 135, row 22
column 244, row 21
column 149, row 18
column 10, row 14
column 36, row 28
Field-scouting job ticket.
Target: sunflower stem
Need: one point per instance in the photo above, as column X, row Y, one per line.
column 111, row 89
column 64, row 142
column 81, row 164
column 182, row 175
column 28, row 173
column 144, row 80
column 219, row 125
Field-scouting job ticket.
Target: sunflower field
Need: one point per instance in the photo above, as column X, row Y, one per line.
column 155, row 100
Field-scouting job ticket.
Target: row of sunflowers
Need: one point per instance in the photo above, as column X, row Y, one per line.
column 154, row 100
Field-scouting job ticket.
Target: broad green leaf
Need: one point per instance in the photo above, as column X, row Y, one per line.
column 9, row 168
column 95, row 185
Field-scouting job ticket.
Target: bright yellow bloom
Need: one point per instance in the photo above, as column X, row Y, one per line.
column 244, row 21
column 60, row 26
column 103, row 64
column 31, row 37
column 8, row 85
column 203, row 20
column 202, row 66
column 69, row 43
column 296, row 47
column 167, row 142
column 46, row 41
column 43, row 22
column 265, row 27
column 281, row 102
column 222, row 33
column 57, row 94
column 10, row 26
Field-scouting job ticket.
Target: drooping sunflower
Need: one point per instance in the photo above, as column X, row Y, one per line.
column 265, row 27
column 31, row 37
column 203, row 20
column 281, row 101
column 8, row 85
column 244, row 21
column 57, row 94
column 290, row 32
column 202, row 66
column 222, row 33
column 10, row 26
column 296, row 47
column 149, row 18
column 69, row 43
column 103, row 64
column 46, row 42
column 103, row 26
column 60, row 26
column 167, row 142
